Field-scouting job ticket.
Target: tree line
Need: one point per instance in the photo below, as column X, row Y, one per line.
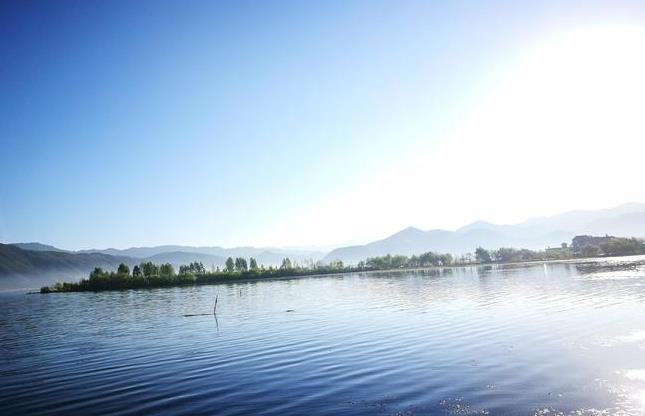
column 149, row 275
column 581, row 247
column 388, row 261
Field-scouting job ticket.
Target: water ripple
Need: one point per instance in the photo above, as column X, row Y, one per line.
column 554, row 338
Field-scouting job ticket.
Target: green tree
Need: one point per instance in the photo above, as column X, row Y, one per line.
column 97, row 272
column 286, row 264
column 196, row 267
column 622, row 246
column 398, row 261
column 149, row 269
column 123, row 270
column 336, row 265
column 136, row 271
column 505, row 255
column 166, row 270
column 240, row 264
column 445, row 259
column 230, row 265
column 482, row 255
column 253, row 264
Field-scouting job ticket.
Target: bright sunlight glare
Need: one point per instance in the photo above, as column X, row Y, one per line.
column 563, row 113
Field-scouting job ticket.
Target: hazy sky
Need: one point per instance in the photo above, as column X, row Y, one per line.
column 312, row 123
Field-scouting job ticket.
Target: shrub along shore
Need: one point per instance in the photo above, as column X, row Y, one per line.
column 150, row 275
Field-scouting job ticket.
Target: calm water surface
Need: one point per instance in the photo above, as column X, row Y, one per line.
column 565, row 338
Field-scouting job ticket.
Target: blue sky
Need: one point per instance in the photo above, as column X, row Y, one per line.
column 275, row 123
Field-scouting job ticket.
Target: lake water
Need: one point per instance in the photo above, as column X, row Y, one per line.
column 557, row 338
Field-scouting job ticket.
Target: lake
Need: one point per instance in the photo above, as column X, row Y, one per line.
column 554, row 338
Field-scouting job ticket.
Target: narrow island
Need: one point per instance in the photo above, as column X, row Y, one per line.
column 150, row 275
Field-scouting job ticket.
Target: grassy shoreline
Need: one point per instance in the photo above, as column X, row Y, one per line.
column 248, row 277
column 130, row 283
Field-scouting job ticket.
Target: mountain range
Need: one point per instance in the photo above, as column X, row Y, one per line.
column 626, row 220
column 29, row 265
column 34, row 264
column 22, row 268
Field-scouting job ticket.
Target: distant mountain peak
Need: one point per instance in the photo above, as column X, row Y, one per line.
column 411, row 229
column 408, row 232
column 477, row 225
column 34, row 246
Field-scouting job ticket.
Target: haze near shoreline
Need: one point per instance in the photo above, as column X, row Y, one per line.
column 30, row 265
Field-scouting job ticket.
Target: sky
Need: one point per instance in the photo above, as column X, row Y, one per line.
column 312, row 123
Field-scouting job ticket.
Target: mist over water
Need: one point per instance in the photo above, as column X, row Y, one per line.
column 516, row 339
